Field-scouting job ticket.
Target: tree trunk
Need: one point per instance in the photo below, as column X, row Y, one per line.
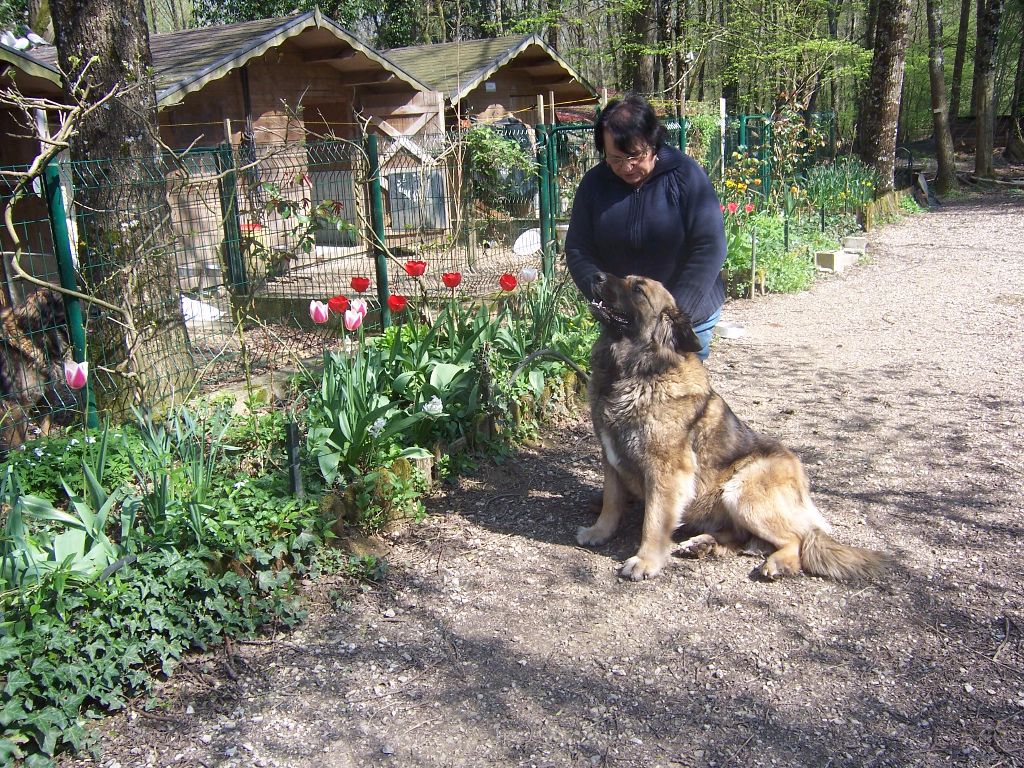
column 870, row 24
column 989, row 17
column 1017, row 100
column 945, row 178
column 881, row 105
column 641, row 31
column 1015, row 143
column 958, row 59
column 975, row 83
column 127, row 255
column 39, row 20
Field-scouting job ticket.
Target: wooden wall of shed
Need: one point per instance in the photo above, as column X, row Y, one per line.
column 279, row 82
column 407, row 113
column 200, row 117
column 515, row 93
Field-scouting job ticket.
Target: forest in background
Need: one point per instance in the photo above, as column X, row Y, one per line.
column 814, row 54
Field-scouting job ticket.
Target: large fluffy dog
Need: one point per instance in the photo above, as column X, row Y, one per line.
column 33, row 343
column 672, row 442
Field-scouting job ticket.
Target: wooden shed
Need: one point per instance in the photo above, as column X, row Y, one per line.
column 279, row 80
column 490, row 79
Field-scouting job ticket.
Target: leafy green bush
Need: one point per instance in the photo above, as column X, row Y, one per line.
column 102, row 644
column 502, row 171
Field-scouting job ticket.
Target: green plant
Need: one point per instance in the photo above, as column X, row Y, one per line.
column 908, row 204
column 794, row 143
column 842, row 185
column 502, row 172
column 352, row 419
column 137, row 621
column 703, row 128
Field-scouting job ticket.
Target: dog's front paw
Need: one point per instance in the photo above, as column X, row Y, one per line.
column 592, row 536
column 638, row 568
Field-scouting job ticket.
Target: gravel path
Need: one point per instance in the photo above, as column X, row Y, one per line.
column 496, row 641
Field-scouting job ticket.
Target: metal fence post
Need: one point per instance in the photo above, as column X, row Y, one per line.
column 66, row 269
column 227, row 187
column 767, row 153
column 544, row 201
column 377, row 236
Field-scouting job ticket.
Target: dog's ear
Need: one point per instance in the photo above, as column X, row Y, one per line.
column 674, row 330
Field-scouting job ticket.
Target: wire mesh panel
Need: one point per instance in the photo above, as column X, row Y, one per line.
column 33, row 330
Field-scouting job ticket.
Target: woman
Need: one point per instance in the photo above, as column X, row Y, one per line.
column 649, row 210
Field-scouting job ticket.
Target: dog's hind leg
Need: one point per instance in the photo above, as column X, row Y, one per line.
column 613, row 499
column 769, row 513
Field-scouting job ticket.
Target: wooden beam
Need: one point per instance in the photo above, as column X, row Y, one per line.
column 560, row 79
column 383, row 77
column 336, row 57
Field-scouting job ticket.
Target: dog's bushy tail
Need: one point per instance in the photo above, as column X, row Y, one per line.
column 822, row 555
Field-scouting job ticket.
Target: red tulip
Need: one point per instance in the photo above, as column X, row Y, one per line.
column 397, row 303
column 415, row 268
column 507, row 282
column 451, row 279
column 338, row 304
column 360, row 284
column 748, row 208
column 733, row 207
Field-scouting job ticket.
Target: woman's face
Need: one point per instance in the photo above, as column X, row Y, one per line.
column 632, row 167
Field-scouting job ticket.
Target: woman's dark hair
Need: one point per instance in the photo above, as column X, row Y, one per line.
column 628, row 121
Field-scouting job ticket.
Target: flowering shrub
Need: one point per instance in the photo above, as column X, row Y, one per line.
column 743, row 177
column 841, row 185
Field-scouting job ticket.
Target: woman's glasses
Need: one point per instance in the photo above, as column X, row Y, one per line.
column 632, row 159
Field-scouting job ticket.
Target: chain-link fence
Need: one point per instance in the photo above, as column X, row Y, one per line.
column 206, row 262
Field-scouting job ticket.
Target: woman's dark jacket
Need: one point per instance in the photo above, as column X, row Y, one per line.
column 669, row 229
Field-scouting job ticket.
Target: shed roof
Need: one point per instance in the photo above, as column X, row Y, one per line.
column 457, row 68
column 29, row 71
column 186, row 61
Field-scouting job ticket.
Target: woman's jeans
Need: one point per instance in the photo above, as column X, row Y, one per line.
column 704, row 330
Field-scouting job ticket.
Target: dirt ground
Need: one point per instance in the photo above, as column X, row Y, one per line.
column 497, row 641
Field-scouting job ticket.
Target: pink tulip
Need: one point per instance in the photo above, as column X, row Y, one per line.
column 76, row 373
column 359, row 305
column 318, row 312
column 528, row 274
column 353, row 319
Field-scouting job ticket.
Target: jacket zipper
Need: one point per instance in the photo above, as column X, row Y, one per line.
column 635, row 218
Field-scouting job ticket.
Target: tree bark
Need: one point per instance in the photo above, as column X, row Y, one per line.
column 126, row 256
column 945, row 178
column 881, row 104
column 958, row 59
column 1015, row 143
column 1017, row 100
column 989, row 16
column 641, row 35
column 39, row 20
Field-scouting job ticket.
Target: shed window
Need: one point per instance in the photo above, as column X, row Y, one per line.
column 416, row 200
